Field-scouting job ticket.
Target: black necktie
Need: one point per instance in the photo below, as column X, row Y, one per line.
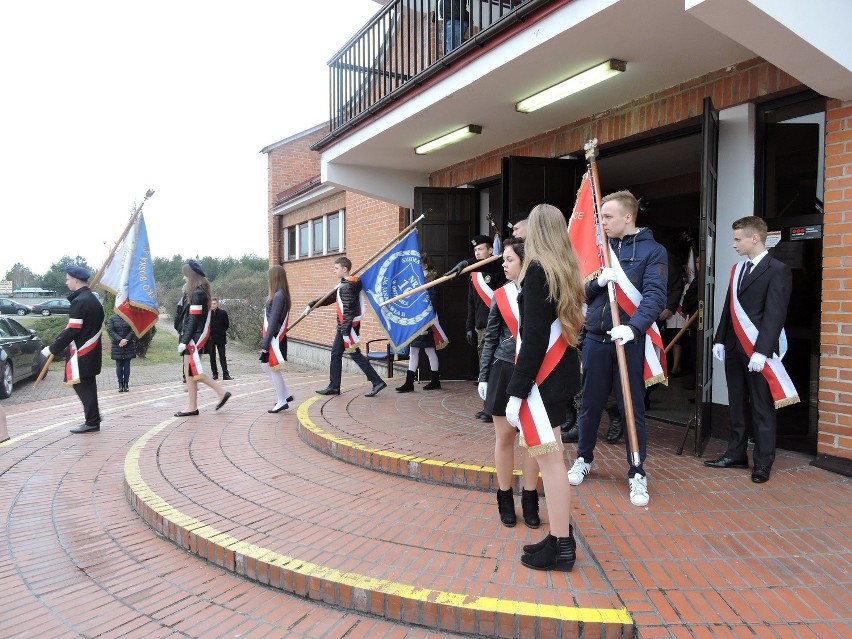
column 744, row 274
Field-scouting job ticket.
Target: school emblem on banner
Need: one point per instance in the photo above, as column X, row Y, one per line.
column 397, row 271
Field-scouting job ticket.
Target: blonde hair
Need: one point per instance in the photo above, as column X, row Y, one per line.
column 548, row 244
column 278, row 282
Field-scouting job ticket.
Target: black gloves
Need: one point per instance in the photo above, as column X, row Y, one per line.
column 264, row 357
column 457, row 268
column 471, row 338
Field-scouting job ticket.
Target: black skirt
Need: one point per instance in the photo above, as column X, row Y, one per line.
column 498, row 379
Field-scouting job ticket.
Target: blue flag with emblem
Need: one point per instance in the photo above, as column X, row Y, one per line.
column 397, row 271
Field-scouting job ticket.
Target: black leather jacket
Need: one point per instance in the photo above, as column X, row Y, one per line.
column 498, row 343
column 350, row 296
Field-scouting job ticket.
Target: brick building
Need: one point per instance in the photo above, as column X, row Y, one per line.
column 715, row 109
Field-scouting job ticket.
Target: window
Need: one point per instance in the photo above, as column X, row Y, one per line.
column 316, row 237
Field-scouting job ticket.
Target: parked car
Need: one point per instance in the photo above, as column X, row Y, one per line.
column 11, row 307
column 51, row 307
column 20, row 354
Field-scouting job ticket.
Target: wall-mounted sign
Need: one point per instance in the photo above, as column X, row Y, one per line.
column 772, row 239
column 805, row 232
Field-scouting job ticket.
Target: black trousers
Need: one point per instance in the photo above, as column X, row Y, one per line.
column 87, row 391
column 336, row 366
column 213, row 368
column 752, row 410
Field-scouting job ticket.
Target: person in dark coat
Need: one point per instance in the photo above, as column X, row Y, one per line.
column 547, row 372
column 273, row 345
column 82, row 339
column 219, row 324
column 194, row 320
column 123, row 349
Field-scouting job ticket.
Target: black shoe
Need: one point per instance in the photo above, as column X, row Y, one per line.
column 435, row 382
column 279, row 409
column 215, row 375
column 506, row 507
column 290, row 399
column 223, row 401
column 531, row 549
column 570, row 436
column 559, row 553
column 726, row 462
column 227, row 377
column 570, row 416
column 328, row 391
column 377, row 387
column 487, row 419
column 529, row 505
column 616, row 430
column 408, row 385
column 85, row 428
column 760, row 474
column 479, row 415
column 188, row 413
column 126, row 387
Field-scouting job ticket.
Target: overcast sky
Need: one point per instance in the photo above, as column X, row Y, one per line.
column 102, row 100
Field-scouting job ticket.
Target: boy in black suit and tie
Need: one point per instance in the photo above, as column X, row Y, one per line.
column 749, row 335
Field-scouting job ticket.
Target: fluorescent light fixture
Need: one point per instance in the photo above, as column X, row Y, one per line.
column 573, row 84
column 450, row 138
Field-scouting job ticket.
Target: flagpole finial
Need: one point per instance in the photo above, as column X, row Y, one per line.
column 591, row 148
column 149, row 193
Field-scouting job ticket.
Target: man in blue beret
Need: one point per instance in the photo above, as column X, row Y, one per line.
column 82, row 339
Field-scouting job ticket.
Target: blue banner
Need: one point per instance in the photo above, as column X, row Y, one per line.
column 397, row 271
column 142, row 290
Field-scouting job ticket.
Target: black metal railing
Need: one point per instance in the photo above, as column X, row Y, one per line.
column 406, row 41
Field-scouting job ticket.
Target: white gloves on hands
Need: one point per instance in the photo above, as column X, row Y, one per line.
column 513, row 412
column 45, row 352
column 181, row 348
column 607, row 275
column 307, row 310
column 719, row 352
column 483, row 389
column 757, row 362
column 622, row 332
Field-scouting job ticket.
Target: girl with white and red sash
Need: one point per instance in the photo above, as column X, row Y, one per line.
column 547, row 372
column 273, row 345
column 495, row 370
column 194, row 331
column 431, row 340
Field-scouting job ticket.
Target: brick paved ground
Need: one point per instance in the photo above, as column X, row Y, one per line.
column 268, row 496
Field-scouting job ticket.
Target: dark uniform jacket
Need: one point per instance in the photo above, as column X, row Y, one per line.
column 646, row 265
column 276, row 311
column 454, row 10
column 537, row 314
column 118, row 330
column 219, row 324
column 477, row 310
column 85, row 320
column 498, row 344
column 350, row 297
column 193, row 316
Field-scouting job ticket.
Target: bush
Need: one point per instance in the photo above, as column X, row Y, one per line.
column 49, row 328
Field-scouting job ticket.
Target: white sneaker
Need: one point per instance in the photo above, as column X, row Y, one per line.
column 578, row 472
column 638, row 490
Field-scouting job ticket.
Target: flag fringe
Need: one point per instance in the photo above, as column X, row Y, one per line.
column 657, row 379
column 543, row 449
column 787, row 401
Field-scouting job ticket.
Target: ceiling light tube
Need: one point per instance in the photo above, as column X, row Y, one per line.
column 450, row 138
column 573, row 84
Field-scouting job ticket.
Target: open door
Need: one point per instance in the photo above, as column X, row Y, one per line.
column 445, row 235
column 707, row 276
column 528, row 181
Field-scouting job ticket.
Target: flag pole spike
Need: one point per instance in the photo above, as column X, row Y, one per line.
column 148, row 194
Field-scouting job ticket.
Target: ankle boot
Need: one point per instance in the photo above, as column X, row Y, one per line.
column 559, row 553
column 529, row 503
column 435, row 382
column 408, row 386
column 506, row 507
column 531, row 549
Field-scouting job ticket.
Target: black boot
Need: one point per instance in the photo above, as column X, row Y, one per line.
column 529, row 503
column 435, row 382
column 559, row 553
column 531, row 549
column 408, row 386
column 616, row 425
column 569, row 435
column 506, row 506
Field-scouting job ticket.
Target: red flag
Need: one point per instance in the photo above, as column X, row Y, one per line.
column 583, row 231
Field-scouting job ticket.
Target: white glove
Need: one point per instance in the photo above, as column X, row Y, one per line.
column 719, row 352
column 607, row 275
column 622, row 332
column 513, row 412
column 307, row 310
column 483, row 389
column 45, row 352
column 181, row 348
column 757, row 362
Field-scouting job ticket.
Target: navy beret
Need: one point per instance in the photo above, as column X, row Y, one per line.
column 77, row 272
column 195, row 266
column 480, row 239
column 519, row 217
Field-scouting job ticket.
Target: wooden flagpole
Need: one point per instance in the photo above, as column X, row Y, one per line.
column 683, row 330
column 402, row 234
column 591, row 148
column 441, row 279
column 149, row 193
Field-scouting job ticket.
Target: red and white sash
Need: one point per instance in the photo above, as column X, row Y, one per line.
column 439, row 335
column 483, row 290
column 196, row 369
column 629, row 298
column 350, row 341
column 780, row 384
column 276, row 358
column 536, row 429
column 72, row 366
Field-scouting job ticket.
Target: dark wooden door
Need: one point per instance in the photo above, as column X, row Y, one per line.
column 445, row 235
column 528, row 181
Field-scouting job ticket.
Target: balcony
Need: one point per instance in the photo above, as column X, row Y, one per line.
column 404, row 45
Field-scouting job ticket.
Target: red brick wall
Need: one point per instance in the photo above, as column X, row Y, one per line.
column 835, row 375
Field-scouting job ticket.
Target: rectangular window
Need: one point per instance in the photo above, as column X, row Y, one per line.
column 304, row 245
column 333, row 225
column 318, row 235
column 290, row 243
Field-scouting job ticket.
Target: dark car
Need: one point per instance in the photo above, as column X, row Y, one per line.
column 20, row 354
column 11, row 307
column 51, row 307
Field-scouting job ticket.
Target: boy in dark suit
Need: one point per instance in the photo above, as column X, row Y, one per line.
column 749, row 334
